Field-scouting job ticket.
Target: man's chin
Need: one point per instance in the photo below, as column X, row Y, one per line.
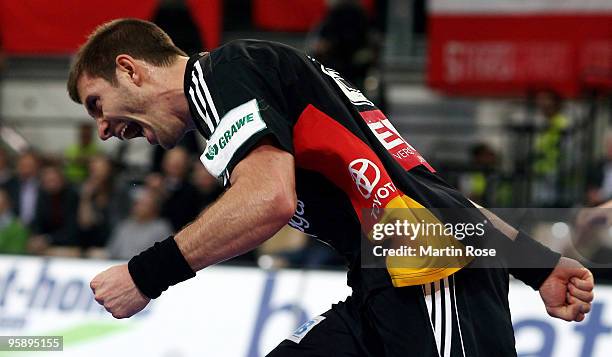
column 168, row 141
column 170, row 144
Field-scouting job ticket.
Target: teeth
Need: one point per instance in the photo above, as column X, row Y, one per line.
column 140, row 132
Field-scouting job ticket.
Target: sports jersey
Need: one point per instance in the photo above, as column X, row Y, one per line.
column 350, row 161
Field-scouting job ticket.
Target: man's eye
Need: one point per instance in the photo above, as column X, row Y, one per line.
column 94, row 106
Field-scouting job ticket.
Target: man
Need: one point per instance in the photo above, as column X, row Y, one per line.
column 13, row 234
column 142, row 228
column 78, row 155
column 55, row 222
column 24, row 187
column 293, row 142
column 181, row 202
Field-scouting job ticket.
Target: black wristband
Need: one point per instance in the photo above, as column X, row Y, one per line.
column 159, row 267
column 530, row 261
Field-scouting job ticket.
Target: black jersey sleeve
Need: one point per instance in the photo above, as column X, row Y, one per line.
column 250, row 101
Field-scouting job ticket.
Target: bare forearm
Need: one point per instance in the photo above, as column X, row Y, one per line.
column 259, row 203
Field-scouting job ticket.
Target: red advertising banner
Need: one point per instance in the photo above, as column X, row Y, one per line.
column 509, row 47
column 59, row 27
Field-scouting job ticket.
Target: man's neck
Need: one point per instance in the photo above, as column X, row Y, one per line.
column 175, row 94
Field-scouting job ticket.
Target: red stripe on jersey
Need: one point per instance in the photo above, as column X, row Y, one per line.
column 323, row 145
column 399, row 148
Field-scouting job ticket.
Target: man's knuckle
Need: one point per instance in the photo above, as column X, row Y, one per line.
column 119, row 314
column 560, row 316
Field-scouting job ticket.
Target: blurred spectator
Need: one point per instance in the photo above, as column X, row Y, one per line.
column 208, row 187
column 476, row 183
column 180, row 198
column 189, row 142
column 547, row 149
column 343, row 41
column 13, row 234
column 174, row 17
column 55, row 223
column 6, row 172
column 143, row 228
column 548, row 141
column 100, row 203
column 24, row 188
column 599, row 178
column 78, row 155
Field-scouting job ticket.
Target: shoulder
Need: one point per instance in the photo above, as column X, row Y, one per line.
column 243, row 57
column 252, row 50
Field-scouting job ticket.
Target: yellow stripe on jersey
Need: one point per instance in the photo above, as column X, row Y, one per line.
column 417, row 270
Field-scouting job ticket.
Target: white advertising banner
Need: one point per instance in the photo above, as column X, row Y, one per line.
column 227, row 311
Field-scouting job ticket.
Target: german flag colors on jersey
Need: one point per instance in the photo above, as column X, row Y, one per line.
column 351, row 163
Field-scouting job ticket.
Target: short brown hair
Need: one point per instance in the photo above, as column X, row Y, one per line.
column 138, row 38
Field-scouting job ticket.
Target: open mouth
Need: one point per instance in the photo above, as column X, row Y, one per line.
column 131, row 130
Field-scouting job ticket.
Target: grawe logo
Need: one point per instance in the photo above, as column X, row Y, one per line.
column 365, row 174
column 213, row 150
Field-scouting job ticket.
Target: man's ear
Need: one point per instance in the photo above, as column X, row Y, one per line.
column 126, row 65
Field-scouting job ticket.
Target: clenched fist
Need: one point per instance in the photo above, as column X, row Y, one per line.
column 568, row 291
column 115, row 290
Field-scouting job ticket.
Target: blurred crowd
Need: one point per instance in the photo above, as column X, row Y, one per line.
column 81, row 204
column 542, row 161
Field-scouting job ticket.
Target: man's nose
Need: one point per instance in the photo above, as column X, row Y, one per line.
column 104, row 129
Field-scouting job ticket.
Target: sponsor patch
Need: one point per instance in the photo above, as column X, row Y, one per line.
column 365, row 174
column 235, row 128
column 301, row 331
